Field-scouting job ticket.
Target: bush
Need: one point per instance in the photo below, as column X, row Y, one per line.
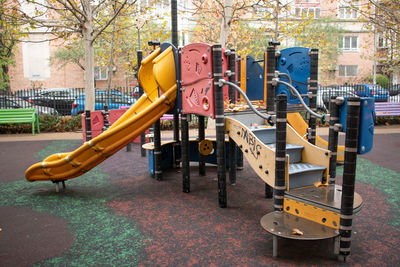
column 50, row 123
column 382, row 80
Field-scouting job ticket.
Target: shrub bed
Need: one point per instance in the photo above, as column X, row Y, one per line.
column 47, row 123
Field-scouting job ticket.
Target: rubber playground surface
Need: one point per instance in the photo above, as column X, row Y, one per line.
column 117, row 215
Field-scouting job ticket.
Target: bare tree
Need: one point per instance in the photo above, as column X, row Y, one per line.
column 66, row 19
column 228, row 11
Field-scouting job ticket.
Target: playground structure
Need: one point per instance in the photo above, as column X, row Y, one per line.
column 201, row 79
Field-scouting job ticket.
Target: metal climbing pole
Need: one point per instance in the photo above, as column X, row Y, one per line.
column 280, row 154
column 349, row 175
column 88, row 125
column 143, row 135
column 232, row 99
column 333, row 138
column 219, row 125
column 312, row 89
column 202, row 159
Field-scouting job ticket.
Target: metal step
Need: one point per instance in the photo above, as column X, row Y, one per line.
column 294, row 152
column 326, row 197
column 266, row 134
column 304, row 174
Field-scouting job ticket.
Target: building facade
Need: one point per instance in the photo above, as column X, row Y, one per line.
column 355, row 64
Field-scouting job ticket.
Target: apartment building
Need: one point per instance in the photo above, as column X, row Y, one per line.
column 354, row 65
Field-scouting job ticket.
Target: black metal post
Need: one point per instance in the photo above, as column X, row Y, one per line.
column 271, row 90
column 333, row 138
column 219, row 125
column 157, row 151
column 239, row 160
column 174, row 36
column 106, row 115
column 349, row 175
column 174, row 22
column 232, row 99
column 185, row 154
column 202, row 159
column 143, row 135
column 280, row 154
column 88, row 125
column 312, row 88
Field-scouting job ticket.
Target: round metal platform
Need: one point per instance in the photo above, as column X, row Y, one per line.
column 282, row 224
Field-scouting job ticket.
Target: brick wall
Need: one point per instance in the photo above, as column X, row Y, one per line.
column 69, row 76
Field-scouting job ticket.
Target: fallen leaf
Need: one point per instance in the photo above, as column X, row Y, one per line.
column 296, row 231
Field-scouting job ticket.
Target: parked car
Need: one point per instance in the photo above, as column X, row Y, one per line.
column 60, row 99
column 342, row 91
column 135, row 92
column 10, row 102
column 376, row 91
column 25, row 94
column 116, row 100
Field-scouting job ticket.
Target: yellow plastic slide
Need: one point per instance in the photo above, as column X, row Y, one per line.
column 157, row 72
column 298, row 123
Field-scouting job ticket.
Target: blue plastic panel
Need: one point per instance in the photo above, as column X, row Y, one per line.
column 294, row 61
column 366, row 129
column 254, row 79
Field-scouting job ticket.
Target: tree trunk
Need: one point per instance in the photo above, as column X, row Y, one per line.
column 225, row 23
column 87, row 32
column 110, row 64
column 276, row 17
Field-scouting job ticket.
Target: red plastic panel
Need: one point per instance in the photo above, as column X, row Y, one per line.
column 196, row 63
column 97, row 123
column 114, row 115
column 197, row 80
column 198, row 98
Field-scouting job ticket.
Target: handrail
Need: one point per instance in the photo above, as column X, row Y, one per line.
column 267, row 118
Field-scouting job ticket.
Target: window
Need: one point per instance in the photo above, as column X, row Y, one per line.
column 307, row 1
column 314, row 12
column 348, row 70
column 349, row 43
column 100, row 73
column 348, row 9
column 382, row 42
column 36, row 57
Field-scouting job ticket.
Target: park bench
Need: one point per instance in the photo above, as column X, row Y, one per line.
column 20, row 115
column 387, row 109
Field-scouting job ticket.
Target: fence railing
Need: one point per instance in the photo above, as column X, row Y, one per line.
column 67, row 101
column 71, row 101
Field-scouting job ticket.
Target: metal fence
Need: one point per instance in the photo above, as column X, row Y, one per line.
column 71, row 101
column 380, row 94
column 67, row 101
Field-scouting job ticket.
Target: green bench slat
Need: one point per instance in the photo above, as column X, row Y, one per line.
column 20, row 116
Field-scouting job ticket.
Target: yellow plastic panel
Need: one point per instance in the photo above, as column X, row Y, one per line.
column 316, row 214
column 243, row 74
column 298, row 123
